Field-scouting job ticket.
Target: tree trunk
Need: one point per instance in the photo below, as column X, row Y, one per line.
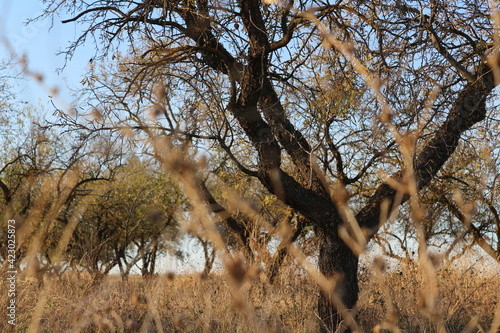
column 209, row 256
column 282, row 251
column 338, row 263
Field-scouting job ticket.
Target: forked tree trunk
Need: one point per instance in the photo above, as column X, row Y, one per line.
column 337, row 262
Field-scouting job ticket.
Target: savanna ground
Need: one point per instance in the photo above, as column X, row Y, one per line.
column 404, row 298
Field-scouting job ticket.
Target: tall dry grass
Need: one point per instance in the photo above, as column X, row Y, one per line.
column 395, row 300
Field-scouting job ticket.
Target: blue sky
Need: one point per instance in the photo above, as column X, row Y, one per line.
column 40, row 43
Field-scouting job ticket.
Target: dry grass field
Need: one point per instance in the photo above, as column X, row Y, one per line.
column 460, row 300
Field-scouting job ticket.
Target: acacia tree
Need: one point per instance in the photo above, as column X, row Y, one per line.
column 279, row 79
column 45, row 178
column 130, row 222
column 44, row 189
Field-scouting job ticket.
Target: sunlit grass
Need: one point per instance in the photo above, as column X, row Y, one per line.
column 190, row 303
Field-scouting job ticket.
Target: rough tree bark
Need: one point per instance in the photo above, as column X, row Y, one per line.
column 338, row 262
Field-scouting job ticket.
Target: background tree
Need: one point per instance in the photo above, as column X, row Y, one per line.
column 43, row 187
column 236, row 75
column 45, row 174
column 131, row 222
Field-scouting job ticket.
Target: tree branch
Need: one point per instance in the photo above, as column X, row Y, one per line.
column 475, row 232
column 96, row 9
column 236, row 228
column 468, row 109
